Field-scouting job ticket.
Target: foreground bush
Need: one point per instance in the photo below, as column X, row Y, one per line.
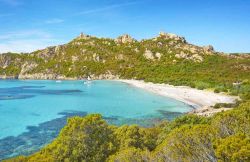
column 224, row 137
column 89, row 139
column 233, row 148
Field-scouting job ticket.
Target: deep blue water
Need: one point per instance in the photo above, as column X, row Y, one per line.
column 33, row 112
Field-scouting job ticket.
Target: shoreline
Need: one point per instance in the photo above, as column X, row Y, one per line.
column 201, row 100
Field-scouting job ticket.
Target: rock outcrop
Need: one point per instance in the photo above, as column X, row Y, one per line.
column 42, row 76
column 8, row 77
column 125, row 39
column 208, row 48
column 208, row 111
column 26, row 67
column 158, row 55
column 96, row 57
column 84, row 36
column 171, row 36
column 149, row 55
column 47, row 53
column 6, row 60
column 192, row 57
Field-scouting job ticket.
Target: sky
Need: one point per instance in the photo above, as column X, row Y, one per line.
column 28, row 25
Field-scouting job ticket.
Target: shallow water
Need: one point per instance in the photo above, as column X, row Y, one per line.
column 33, row 112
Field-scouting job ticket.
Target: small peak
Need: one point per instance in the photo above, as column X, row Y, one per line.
column 83, row 36
column 164, row 34
column 125, row 39
column 208, row 48
column 171, row 36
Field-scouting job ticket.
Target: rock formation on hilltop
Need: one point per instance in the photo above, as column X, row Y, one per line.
column 125, row 39
column 172, row 37
column 84, row 36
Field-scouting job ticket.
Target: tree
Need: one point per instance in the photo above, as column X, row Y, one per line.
column 82, row 139
column 130, row 136
column 187, row 143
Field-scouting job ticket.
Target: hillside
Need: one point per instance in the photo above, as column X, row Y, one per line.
column 73, row 59
column 167, row 58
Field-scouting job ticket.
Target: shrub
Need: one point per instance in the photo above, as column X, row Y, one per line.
column 216, row 91
column 233, row 148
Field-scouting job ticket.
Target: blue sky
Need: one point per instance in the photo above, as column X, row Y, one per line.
column 27, row 25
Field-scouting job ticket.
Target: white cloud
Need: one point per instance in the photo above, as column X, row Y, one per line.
column 26, row 41
column 54, row 21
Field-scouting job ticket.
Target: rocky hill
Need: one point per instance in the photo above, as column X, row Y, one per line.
column 167, row 58
column 71, row 60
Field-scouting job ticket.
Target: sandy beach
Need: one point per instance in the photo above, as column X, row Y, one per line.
column 200, row 100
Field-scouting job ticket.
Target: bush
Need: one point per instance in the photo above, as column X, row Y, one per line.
column 82, row 139
column 216, row 91
column 225, row 105
column 233, row 148
column 187, row 143
column 202, row 85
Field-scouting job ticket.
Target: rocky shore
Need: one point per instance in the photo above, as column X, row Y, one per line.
column 42, row 76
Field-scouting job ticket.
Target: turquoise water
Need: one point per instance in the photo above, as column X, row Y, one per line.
column 29, row 106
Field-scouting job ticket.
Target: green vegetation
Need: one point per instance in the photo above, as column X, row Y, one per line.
column 233, row 148
column 225, row 105
column 223, row 137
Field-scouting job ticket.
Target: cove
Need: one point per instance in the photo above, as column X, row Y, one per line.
column 32, row 112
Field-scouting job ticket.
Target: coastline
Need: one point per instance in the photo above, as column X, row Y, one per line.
column 201, row 100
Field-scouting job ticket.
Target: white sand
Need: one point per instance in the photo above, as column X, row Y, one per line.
column 193, row 97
